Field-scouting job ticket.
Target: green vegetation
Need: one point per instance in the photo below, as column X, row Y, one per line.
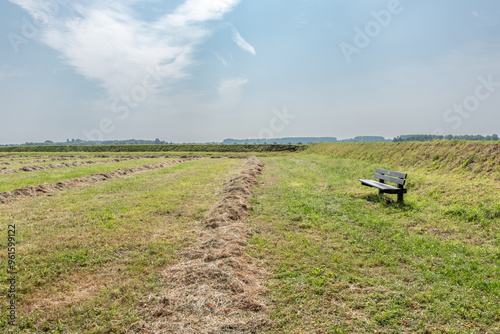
column 284, row 141
column 156, row 148
column 88, row 256
column 341, row 258
column 29, row 162
column 455, row 155
column 345, row 260
column 447, row 137
column 305, row 140
column 18, row 180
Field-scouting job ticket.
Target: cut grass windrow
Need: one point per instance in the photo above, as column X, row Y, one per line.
column 41, row 164
column 19, row 180
column 88, row 255
column 35, row 168
column 217, row 288
column 32, row 191
column 17, row 159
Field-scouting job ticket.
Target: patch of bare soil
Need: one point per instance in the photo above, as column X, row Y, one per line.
column 33, row 191
column 218, row 287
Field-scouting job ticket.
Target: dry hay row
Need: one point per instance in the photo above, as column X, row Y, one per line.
column 218, row 288
column 16, row 160
column 5, row 170
column 42, row 159
column 36, row 168
column 32, row 191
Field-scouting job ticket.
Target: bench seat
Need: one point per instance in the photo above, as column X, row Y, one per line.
column 386, row 188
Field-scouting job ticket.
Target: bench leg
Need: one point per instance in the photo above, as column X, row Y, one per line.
column 400, row 197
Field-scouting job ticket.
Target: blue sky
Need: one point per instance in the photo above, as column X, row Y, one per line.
column 206, row 70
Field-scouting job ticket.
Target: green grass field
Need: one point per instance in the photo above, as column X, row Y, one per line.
column 341, row 258
column 15, row 181
column 30, row 162
column 88, row 255
column 346, row 260
column 158, row 148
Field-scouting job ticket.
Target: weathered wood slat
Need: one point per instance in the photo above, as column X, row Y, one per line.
column 390, row 179
column 391, row 173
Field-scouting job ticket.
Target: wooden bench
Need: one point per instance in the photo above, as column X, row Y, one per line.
column 388, row 175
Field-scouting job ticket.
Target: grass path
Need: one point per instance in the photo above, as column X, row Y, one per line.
column 345, row 260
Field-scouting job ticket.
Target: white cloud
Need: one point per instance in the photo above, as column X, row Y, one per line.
column 200, row 11
column 244, row 45
column 221, row 59
column 107, row 42
column 8, row 72
column 230, row 91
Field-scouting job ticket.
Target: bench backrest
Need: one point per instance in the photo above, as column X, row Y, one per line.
column 391, row 176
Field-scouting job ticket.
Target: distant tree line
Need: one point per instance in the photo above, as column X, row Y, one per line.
column 282, row 141
column 404, row 138
column 80, row 142
column 279, row 141
column 365, row 139
column 306, row 140
column 155, row 148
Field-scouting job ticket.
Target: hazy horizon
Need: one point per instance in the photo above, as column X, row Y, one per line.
column 204, row 71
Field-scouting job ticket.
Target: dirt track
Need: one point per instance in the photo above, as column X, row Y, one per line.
column 33, row 191
column 217, row 288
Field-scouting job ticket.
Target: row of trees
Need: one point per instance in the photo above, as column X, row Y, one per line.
column 447, row 137
column 365, row 139
column 282, row 141
column 78, row 142
column 306, row 140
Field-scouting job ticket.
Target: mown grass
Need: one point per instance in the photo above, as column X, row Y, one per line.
column 14, row 181
column 29, row 163
column 345, row 260
column 88, row 256
column 26, row 156
column 342, row 258
column 158, row 148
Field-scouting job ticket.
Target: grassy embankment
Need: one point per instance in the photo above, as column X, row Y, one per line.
column 345, row 260
column 87, row 256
